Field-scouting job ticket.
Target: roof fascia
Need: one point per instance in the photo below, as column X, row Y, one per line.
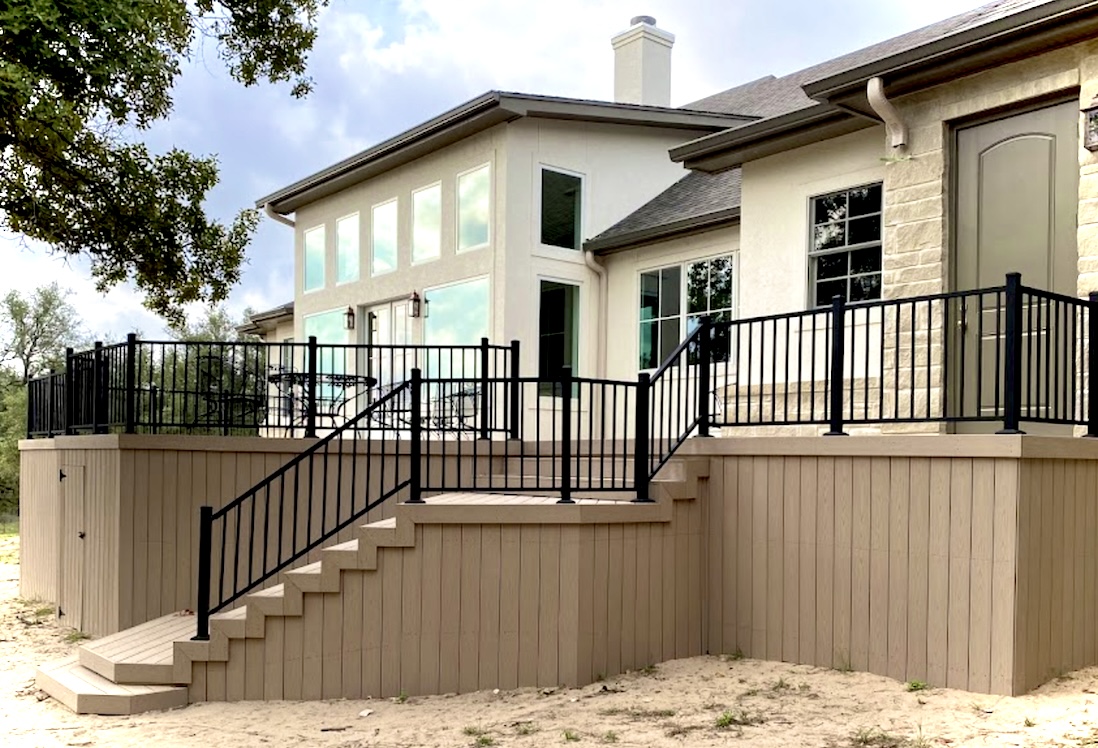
column 683, row 227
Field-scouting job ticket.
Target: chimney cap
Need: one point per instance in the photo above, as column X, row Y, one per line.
column 642, row 19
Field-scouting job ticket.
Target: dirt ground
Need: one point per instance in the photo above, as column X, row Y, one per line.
column 696, row 702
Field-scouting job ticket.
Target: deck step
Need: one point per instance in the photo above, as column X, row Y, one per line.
column 86, row 692
column 140, row 655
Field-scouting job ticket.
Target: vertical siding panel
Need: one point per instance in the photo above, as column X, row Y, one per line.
column 186, row 516
column 549, row 604
column 429, row 542
column 728, row 538
column 791, row 563
column 1082, row 554
column 825, row 568
column 1042, row 663
column 351, row 680
column 628, row 598
column 960, row 550
column 810, row 502
column 714, row 567
column 568, row 606
column 390, row 568
column 759, row 590
column 530, row 595
column 154, row 606
column 880, row 486
column 371, row 632
column 586, row 603
column 844, row 507
column 745, row 553
column 980, row 594
column 294, row 667
column 685, row 544
column 656, row 609
column 254, row 667
column 1059, row 551
column 169, row 482
column 899, row 522
column 938, row 596
column 274, row 656
column 1066, row 608
column 918, row 563
column 312, row 646
column 1024, row 568
column 775, row 550
column 1004, row 579
column 449, row 657
column 216, row 686
column 600, row 608
column 140, row 609
column 489, row 607
column 509, row 607
column 333, row 654
column 469, row 638
column 642, row 645
column 672, row 592
column 1090, row 483
column 235, row 670
column 198, row 691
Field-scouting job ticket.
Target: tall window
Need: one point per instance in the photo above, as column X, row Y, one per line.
column 560, row 209
column 474, row 192
column 314, row 259
column 426, row 223
column 557, row 332
column 674, row 299
column 458, row 316
column 845, row 253
column 347, row 249
column 383, row 240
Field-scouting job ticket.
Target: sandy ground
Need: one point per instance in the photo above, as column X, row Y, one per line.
column 696, row 702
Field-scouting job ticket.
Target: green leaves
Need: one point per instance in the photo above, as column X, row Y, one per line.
column 78, row 78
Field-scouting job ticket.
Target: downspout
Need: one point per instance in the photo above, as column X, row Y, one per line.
column 280, row 218
column 600, row 271
column 897, row 130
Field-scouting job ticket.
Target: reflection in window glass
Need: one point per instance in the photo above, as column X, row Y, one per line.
column 384, row 238
column 457, row 315
column 347, row 249
column 845, row 253
column 328, row 329
column 473, row 209
column 426, row 223
column 314, row 259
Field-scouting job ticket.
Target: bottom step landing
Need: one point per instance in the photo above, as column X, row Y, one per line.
column 87, row 692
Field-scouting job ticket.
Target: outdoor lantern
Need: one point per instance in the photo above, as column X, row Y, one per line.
column 415, row 306
column 349, row 318
column 1090, row 126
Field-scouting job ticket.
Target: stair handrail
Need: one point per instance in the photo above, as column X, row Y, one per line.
column 208, row 516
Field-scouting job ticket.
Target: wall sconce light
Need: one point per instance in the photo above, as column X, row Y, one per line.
column 1090, row 126
column 349, row 318
column 416, row 306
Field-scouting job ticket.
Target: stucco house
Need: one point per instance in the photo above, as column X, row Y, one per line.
column 853, row 233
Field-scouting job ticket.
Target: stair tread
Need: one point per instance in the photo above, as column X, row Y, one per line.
column 350, row 545
column 277, row 590
column 383, row 523
column 86, row 692
column 313, row 568
column 141, row 644
column 236, row 614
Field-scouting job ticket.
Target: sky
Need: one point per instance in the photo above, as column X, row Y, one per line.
column 381, row 66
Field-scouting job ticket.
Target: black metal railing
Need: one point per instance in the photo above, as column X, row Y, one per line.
column 240, row 388
column 298, row 507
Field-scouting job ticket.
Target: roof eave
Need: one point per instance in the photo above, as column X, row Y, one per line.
column 1045, row 27
column 676, row 229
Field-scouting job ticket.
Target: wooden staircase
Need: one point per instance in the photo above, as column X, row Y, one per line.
column 156, row 665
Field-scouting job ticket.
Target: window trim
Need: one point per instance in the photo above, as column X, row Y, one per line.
column 305, row 289
column 358, row 274
column 373, row 231
column 412, row 243
column 684, row 314
column 812, row 253
column 553, row 249
column 457, row 208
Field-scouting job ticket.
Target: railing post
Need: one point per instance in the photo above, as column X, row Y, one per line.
column 705, row 353
column 566, row 435
column 415, row 468
column 838, row 354
column 513, row 394
column 98, row 427
column 484, row 399
column 310, row 389
column 640, row 439
column 1092, row 366
column 205, row 551
column 70, row 393
column 131, row 383
column 1012, row 375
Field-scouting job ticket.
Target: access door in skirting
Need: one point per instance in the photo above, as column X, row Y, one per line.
column 1017, row 188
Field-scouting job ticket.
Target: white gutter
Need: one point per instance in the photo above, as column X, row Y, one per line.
column 897, row 130
column 600, row 271
column 280, row 218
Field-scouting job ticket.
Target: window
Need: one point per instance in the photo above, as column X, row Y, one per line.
column 557, row 332
column 845, row 253
column 314, row 259
column 426, row 223
column 458, row 316
column 670, row 309
column 560, row 209
column 384, row 238
column 473, row 209
column 347, row 249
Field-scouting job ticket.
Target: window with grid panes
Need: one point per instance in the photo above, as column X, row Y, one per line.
column 670, row 308
column 845, row 250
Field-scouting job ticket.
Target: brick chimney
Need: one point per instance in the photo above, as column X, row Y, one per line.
column 642, row 63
